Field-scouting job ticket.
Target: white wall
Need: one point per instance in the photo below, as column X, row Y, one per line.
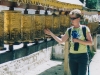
column 23, row 65
column 58, row 51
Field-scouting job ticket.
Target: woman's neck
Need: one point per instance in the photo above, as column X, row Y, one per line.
column 77, row 26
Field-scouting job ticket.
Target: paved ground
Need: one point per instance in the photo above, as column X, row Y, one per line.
column 95, row 64
column 54, row 67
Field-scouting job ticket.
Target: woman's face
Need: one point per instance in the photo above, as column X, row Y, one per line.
column 74, row 19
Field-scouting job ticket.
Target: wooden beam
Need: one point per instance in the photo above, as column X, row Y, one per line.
column 20, row 5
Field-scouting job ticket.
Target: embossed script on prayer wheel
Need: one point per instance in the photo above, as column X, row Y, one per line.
column 56, row 25
column 49, row 23
column 1, row 30
column 12, row 27
column 26, row 26
column 39, row 23
column 62, row 23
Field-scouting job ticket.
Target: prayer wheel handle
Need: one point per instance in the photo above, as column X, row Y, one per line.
column 12, row 5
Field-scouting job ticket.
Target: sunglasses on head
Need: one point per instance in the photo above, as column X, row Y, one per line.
column 74, row 18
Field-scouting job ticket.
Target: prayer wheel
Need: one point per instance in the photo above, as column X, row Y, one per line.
column 49, row 23
column 1, row 31
column 39, row 24
column 26, row 26
column 90, row 26
column 67, row 21
column 12, row 26
column 94, row 26
column 62, row 24
column 56, row 25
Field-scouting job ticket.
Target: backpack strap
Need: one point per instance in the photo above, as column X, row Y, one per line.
column 69, row 32
column 84, row 31
column 88, row 47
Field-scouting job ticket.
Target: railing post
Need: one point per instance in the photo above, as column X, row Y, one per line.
column 11, row 49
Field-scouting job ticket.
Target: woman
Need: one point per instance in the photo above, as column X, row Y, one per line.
column 78, row 58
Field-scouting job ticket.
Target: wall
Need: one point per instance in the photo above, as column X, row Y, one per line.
column 21, row 65
column 58, row 52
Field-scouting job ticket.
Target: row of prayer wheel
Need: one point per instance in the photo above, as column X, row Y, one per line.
column 18, row 27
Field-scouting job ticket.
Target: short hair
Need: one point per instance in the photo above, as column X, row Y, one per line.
column 76, row 12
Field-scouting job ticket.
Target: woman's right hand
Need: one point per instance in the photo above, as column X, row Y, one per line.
column 47, row 31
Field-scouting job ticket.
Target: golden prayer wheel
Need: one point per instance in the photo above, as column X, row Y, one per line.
column 39, row 24
column 62, row 24
column 94, row 26
column 49, row 22
column 90, row 26
column 26, row 26
column 1, row 31
column 56, row 25
column 67, row 21
column 12, row 26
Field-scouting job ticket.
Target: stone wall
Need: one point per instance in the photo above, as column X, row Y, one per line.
column 22, row 65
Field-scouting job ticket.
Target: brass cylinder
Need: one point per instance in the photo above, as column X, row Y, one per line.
column 67, row 21
column 1, row 31
column 90, row 26
column 39, row 24
column 62, row 24
column 49, row 23
column 12, row 26
column 56, row 25
column 26, row 26
column 94, row 26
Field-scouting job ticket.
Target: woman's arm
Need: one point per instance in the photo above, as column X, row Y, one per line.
column 59, row 40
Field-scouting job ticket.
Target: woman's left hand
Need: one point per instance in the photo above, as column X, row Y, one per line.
column 75, row 40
